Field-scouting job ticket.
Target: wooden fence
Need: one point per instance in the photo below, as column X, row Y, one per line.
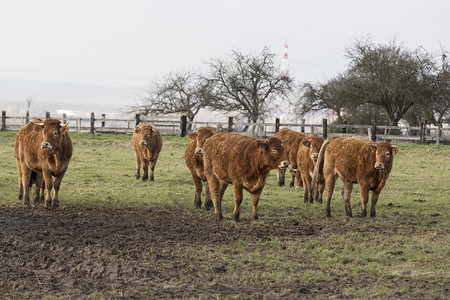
column 423, row 134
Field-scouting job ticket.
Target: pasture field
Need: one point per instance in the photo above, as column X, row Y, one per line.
column 117, row 237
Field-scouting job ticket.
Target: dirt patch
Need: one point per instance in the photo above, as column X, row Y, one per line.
column 139, row 253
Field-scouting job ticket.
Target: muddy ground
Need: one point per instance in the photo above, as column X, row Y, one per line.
column 136, row 253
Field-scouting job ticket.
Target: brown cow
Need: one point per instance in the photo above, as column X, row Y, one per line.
column 147, row 144
column 292, row 140
column 242, row 161
column 355, row 160
column 307, row 155
column 47, row 149
column 194, row 161
column 36, row 178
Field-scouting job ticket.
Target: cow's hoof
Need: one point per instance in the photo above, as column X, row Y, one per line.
column 144, row 178
column 219, row 217
column 208, row 204
column 197, row 204
column 236, row 218
column 152, row 179
column 256, row 218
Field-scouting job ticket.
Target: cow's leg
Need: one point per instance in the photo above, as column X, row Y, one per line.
column 320, row 189
column 280, row 176
column 374, row 200
column 208, row 201
column 364, row 193
column 330, row 181
column 198, row 184
column 19, row 170
column 26, row 174
column 308, row 186
column 347, row 193
column 48, row 186
column 214, row 187
column 144, row 169
column 152, row 169
column 37, row 187
column 255, row 200
column 305, row 195
column 57, row 184
column 138, row 165
column 41, row 189
column 237, row 200
column 292, row 182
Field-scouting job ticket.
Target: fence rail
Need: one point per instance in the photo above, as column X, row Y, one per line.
column 423, row 134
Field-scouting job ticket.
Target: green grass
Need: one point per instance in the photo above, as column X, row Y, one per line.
column 407, row 242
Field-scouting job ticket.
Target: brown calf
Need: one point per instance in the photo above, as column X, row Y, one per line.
column 43, row 147
column 242, row 161
column 355, row 160
column 307, row 155
column 147, row 144
column 291, row 141
column 36, row 178
column 194, row 161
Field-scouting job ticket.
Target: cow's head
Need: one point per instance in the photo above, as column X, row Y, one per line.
column 272, row 153
column 384, row 155
column 200, row 136
column 314, row 143
column 145, row 133
column 53, row 133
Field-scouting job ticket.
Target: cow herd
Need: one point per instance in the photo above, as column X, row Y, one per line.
column 43, row 150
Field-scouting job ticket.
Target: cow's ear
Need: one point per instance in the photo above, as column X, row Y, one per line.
column 394, row 150
column 261, row 145
column 64, row 129
column 306, row 142
column 137, row 130
column 193, row 135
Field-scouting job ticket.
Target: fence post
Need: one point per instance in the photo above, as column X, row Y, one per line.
column 183, row 126
column 138, row 119
column 3, row 120
column 47, row 115
column 324, row 129
column 422, row 132
column 103, row 120
column 438, row 135
column 230, row 124
column 277, row 125
column 92, row 122
column 27, row 117
column 64, row 118
column 374, row 132
column 302, row 129
column 79, row 125
column 344, row 129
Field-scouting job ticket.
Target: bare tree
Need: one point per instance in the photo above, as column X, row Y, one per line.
column 29, row 101
column 389, row 76
column 181, row 93
column 247, row 84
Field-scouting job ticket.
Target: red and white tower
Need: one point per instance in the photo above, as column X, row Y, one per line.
column 284, row 63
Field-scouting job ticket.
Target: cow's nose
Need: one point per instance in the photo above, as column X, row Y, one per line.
column 143, row 143
column 45, row 145
column 315, row 156
column 284, row 164
column 379, row 166
column 199, row 151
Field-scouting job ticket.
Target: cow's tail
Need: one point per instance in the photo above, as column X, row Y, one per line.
column 318, row 168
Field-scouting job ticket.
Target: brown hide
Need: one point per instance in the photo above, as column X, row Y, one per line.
column 147, row 144
column 36, row 177
column 292, row 140
column 43, row 147
column 307, row 154
column 356, row 160
column 242, row 161
column 194, row 161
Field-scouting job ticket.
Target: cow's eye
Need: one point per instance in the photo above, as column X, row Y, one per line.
column 387, row 153
column 55, row 133
column 274, row 151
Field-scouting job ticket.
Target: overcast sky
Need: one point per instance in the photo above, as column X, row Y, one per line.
column 120, row 46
